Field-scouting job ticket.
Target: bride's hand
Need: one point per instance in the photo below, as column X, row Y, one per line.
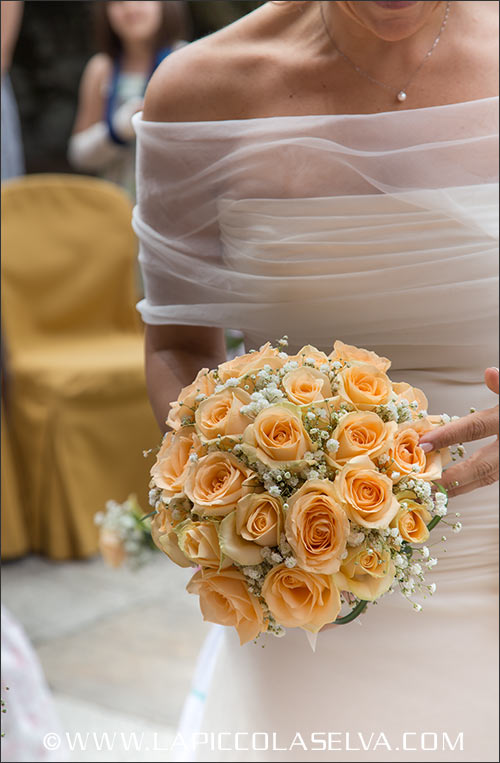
column 482, row 467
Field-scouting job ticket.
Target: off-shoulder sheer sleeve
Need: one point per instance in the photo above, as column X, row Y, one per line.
column 235, row 219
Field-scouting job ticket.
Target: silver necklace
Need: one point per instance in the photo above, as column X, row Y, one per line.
column 401, row 95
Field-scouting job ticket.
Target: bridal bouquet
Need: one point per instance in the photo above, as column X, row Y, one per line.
column 296, row 486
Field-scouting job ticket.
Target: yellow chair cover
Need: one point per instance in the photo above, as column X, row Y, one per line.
column 15, row 538
column 79, row 409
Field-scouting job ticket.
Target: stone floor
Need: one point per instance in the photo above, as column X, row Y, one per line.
column 118, row 647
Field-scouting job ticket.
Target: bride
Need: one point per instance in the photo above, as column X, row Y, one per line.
column 328, row 170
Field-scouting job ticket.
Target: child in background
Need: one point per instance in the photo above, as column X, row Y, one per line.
column 133, row 38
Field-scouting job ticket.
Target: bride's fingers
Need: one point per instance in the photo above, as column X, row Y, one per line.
column 475, row 426
column 470, row 486
column 491, row 379
column 479, row 470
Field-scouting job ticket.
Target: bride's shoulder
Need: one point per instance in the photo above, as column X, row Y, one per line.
column 216, row 77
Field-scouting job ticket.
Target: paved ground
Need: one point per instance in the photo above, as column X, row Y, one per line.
column 118, row 648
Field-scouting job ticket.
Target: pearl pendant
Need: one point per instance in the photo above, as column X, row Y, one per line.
column 401, row 96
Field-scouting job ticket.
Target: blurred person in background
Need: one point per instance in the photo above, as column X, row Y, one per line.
column 132, row 38
column 12, row 149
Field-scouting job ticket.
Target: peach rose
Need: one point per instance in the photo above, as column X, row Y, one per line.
column 200, row 543
column 183, row 407
column 215, row 484
column 279, row 434
column 172, row 462
column 412, row 394
column 365, row 493
column 299, row 599
column 165, row 538
column 306, row 385
column 362, row 433
column 412, row 519
column 111, row 548
column 255, row 523
column 364, row 386
column 347, row 353
column 409, row 458
column 220, row 414
column 309, row 352
column 366, row 573
column 226, row 600
column 316, row 527
column 251, row 362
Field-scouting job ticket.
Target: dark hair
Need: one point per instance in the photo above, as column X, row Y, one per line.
column 175, row 25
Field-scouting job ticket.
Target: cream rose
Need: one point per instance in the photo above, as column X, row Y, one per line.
column 256, row 522
column 165, row 538
column 317, row 527
column 183, row 407
column 172, row 462
column 220, row 414
column 362, row 433
column 199, row 541
column 366, row 573
column 412, row 519
column 412, row 394
column 364, row 386
column 215, row 484
column 407, row 457
column 347, row 353
column 251, row 363
column 306, row 385
column 279, row 434
column 299, row 599
column 309, row 353
column 366, row 494
column 226, row 600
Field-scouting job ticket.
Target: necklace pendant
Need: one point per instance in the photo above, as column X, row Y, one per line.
column 401, row 96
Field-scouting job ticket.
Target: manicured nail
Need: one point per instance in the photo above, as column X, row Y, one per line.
column 426, row 446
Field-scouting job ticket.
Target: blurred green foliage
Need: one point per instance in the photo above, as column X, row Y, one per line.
column 54, row 44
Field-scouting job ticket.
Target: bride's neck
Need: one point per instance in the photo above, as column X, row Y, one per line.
column 366, row 49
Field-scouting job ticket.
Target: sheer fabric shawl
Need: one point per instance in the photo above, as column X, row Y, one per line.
column 243, row 223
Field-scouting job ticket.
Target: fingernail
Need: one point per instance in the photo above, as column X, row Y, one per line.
column 427, row 446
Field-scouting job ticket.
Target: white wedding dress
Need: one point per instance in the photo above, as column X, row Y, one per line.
column 380, row 230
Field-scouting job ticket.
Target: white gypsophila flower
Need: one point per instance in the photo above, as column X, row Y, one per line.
column 345, row 554
column 337, row 365
column 425, row 552
column 193, row 458
column 383, row 459
column 274, row 491
column 417, row 607
column 401, row 561
column 441, row 511
column 290, row 562
column 282, row 355
column 99, row 518
column 199, row 398
column 445, row 418
column 355, row 538
column 432, row 588
column 395, row 475
column 441, row 498
column 290, row 366
column 332, row 445
column 312, row 474
column 416, row 569
column 457, row 527
column 276, row 557
column 311, row 416
column 431, row 562
column 324, row 368
column 219, row 388
column 394, row 532
column 309, row 361
column 232, row 382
